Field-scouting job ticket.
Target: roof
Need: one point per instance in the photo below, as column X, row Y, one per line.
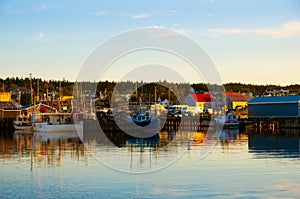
column 275, row 99
column 7, row 106
column 28, row 106
column 236, row 96
column 202, row 97
column 16, row 88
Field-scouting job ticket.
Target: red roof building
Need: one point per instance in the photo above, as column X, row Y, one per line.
column 203, row 101
column 202, row 97
column 235, row 100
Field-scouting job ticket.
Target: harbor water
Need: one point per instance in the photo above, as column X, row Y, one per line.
column 240, row 165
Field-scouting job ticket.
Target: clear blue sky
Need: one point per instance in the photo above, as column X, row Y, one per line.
column 249, row 41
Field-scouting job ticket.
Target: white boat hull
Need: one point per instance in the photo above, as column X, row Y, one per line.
column 45, row 127
column 227, row 121
column 19, row 126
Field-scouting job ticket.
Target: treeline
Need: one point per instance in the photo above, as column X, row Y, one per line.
column 39, row 84
column 259, row 89
column 162, row 87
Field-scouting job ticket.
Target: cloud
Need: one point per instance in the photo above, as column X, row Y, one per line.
column 156, row 27
column 230, row 31
column 98, row 13
column 143, row 15
column 289, row 29
column 175, row 25
column 140, row 15
column 173, row 28
column 40, row 36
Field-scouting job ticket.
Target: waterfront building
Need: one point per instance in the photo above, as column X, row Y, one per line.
column 203, row 101
column 16, row 91
column 235, row 100
column 274, row 107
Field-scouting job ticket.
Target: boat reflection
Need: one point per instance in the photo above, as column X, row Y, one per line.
column 43, row 149
column 232, row 140
column 228, row 134
column 144, row 142
column 54, row 136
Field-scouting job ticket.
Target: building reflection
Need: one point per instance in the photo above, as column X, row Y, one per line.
column 278, row 144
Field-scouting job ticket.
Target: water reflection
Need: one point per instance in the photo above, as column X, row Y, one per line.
column 242, row 165
column 43, row 149
column 230, row 139
column 50, row 149
column 278, row 144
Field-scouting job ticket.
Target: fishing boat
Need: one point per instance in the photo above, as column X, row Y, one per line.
column 53, row 122
column 141, row 119
column 147, row 125
column 227, row 121
column 23, row 119
column 22, row 123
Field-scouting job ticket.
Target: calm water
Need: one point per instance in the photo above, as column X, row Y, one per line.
column 241, row 165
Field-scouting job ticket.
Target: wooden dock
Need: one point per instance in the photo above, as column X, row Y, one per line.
column 168, row 124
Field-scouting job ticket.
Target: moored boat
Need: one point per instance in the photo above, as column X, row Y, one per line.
column 227, row 121
column 22, row 123
column 145, row 125
column 140, row 119
column 53, row 122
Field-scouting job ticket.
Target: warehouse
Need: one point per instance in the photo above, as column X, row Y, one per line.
column 274, row 107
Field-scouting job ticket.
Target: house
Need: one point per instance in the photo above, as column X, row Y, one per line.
column 203, row 101
column 280, row 92
column 235, row 100
column 274, row 107
column 16, row 90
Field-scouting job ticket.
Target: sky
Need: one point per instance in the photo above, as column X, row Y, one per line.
column 250, row 41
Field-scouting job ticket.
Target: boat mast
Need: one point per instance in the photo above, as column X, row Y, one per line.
column 59, row 98
column 19, row 103
column 31, row 93
column 38, row 90
column 155, row 100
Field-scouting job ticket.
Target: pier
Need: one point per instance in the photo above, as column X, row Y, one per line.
column 171, row 124
column 272, row 113
column 275, row 123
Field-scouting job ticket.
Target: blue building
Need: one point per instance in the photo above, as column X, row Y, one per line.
column 274, row 107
